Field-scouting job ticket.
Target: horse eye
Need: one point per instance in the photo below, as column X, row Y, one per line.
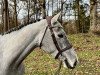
column 60, row 35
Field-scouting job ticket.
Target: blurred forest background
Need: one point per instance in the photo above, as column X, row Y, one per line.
column 78, row 16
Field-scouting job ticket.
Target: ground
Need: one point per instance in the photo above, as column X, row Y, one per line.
column 87, row 47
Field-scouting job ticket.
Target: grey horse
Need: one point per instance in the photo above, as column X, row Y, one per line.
column 19, row 43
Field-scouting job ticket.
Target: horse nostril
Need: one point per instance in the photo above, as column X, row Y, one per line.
column 75, row 63
column 69, row 66
column 60, row 35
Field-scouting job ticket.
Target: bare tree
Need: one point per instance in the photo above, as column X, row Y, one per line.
column 1, row 18
column 28, row 8
column 52, row 6
column 78, row 9
column 48, row 8
column 6, row 16
column 62, row 3
column 44, row 9
column 15, row 13
column 92, row 15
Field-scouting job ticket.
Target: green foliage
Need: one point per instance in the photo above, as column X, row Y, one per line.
column 88, row 50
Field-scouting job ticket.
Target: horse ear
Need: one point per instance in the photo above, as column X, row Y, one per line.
column 55, row 18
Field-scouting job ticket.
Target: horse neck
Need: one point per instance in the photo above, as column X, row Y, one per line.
column 22, row 42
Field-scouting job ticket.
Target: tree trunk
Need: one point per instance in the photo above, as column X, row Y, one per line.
column 2, row 13
column 57, row 6
column 78, row 8
column 28, row 8
column 92, row 15
column 44, row 9
column 52, row 7
column 34, row 12
column 48, row 9
column 6, row 17
column 62, row 2
column 15, row 13
column 76, row 20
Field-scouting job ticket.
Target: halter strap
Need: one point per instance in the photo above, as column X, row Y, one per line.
column 53, row 38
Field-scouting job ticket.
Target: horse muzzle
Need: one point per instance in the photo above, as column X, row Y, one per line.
column 69, row 65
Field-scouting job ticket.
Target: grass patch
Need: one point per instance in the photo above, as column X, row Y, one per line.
column 87, row 48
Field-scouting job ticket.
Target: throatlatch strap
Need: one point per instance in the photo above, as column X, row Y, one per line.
column 43, row 36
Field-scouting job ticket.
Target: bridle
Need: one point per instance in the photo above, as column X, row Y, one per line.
column 54, row 38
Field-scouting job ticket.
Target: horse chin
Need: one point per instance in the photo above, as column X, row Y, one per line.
column 64, row 65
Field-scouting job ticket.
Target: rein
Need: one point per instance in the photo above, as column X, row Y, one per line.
column 54, row 38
